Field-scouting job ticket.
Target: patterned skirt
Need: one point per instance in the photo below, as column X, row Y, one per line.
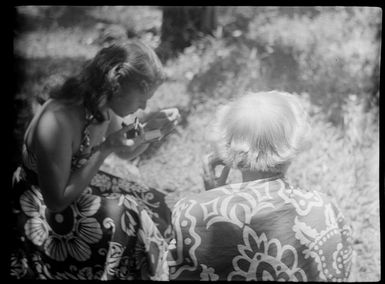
column 117, row 229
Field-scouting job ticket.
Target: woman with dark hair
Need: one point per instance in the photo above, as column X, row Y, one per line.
column 75, row 221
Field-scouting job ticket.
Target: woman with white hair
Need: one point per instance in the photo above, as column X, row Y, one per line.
column 261, row 228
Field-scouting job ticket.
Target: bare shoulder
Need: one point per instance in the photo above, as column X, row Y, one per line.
column 57, row 113
column 57, row 120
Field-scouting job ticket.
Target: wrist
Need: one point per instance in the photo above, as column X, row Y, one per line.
column 102, row 148
column 148, row 114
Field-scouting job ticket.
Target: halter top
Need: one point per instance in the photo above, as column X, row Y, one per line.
column 78, row 159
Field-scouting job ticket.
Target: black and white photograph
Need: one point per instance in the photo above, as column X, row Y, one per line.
column 204, row 143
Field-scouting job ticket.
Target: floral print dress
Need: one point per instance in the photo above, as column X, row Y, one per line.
column 263, row 230
column 116, row 229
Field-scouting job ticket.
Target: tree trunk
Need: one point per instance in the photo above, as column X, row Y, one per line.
column 182, row 25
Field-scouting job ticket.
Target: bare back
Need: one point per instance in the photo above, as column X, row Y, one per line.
column 69, row 114
column 74, row 116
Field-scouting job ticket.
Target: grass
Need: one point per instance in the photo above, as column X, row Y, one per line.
column 343, row 161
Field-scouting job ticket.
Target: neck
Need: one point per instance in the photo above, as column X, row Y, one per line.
column 105, row 111
column 106, row 114
column 256, row 175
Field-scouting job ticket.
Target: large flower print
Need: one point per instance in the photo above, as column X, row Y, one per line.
column 227, row 208
column 261, row 259
column 18, row 266
column 65, row 233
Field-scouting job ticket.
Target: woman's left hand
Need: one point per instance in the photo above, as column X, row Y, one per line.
column 165, row 120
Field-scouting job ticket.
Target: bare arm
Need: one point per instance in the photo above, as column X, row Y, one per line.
column 53, row 150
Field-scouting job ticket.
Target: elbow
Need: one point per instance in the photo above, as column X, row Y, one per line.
column 54, row 201
column 55, row 207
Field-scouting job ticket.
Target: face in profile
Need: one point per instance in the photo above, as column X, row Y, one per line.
column 129, row 99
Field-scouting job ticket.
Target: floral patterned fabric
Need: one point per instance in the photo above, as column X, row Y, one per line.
column 259, row 230
column 115, row 230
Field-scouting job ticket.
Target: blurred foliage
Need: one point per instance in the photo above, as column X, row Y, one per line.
column 326, row 52
column 344, row 163
column 328, row 56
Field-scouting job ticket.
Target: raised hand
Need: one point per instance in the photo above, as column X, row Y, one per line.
column 118, row 142
column 165, row 120
column 210, row 180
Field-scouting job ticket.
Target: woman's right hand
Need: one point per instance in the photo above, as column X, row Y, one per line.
column 118, row 143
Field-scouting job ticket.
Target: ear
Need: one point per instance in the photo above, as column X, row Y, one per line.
column 102, row 101
column 113, row 78
column 144, row 85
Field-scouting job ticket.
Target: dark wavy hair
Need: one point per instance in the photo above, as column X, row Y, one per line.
column 128, row 62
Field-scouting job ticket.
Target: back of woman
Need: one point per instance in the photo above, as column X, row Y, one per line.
column 261, row 230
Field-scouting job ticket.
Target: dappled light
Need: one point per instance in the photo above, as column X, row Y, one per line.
column 327, row 56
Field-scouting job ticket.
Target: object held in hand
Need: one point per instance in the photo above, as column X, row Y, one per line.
column 153, row 135
column 149, row 136
column 134, row 132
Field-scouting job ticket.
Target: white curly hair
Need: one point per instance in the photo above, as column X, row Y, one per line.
column 260, row 131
